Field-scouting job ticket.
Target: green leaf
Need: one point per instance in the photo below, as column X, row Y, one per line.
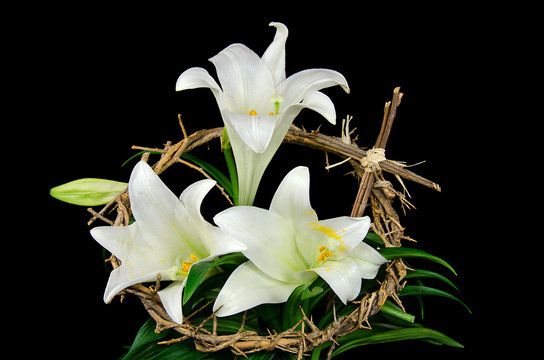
column 419, row 273
column 231, row 165
column 88, row 191
column 366, row 337
column 139, row 153
column 426, row 290
column 145, row 347
column 299, row 298
column 373, row 239
column 391, row 309
column 199, row 270
column 402, row 252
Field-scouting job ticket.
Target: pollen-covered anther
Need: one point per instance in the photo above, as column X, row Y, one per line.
column 185, row 266
column 324, row 254
column 252, row 112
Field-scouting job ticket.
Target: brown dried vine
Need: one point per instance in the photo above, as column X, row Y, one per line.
column 374, row 191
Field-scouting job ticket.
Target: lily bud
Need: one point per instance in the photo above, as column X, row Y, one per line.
column 88, row 191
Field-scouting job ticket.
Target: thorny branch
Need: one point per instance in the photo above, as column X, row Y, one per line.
column 374, row 191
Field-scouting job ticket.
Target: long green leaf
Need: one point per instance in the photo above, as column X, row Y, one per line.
column 419, row 273
column 145, row 347
column 366, row 337
column 199, row 270
column 391, row 309
column 426, row 290
column 138, row 154
column 403, row 252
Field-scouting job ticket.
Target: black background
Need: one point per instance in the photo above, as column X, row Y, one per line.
column 96, row 80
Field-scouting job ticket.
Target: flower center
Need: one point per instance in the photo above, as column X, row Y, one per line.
column 332, row 244
column 186, row 265
column 324, row 254
column 275, row 100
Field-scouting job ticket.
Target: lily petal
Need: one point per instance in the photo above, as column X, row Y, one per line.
column 171, row 300
column 341, row 233
column 292, row 198
column 274, row 56
column 342, row 276
column 118, row 240
column 316, row 101
column 198, row 77
column 248, row 287
column 153, row 205
column 161, row 217
column 120, row 279
column 255, row 130
column 296, row 87
column 245, row 77
column 367, row 259
column 193, row 195
column 219, row 243
column 268, row 237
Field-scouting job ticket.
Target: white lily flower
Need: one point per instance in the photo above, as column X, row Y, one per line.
column 288, row 246
column 258, row 103
column 168, row 237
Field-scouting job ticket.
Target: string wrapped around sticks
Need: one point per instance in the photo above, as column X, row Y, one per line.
column 374, row 191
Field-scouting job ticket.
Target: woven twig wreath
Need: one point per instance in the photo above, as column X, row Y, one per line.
column 374, row 191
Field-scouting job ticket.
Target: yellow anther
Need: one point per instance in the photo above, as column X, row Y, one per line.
column 185, row 266
column 252, row 112
column 322, row 248
column 270, row 113
column 193, row 257
column 324, row 255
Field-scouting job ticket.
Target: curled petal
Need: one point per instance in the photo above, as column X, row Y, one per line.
column 367, row 259
column 315, row 101
column 198, row 77
column 248, row 287
column 274, row 56
column 296, row 87
column 193, row 195
column 171, row 300
column 121, row 278
column 342, row 276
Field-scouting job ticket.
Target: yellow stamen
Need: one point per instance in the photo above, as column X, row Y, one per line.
column 322, row 248
column 252, row 112
column 193, row 257
column 270, row 113
column 324, row 255
column 185, row 266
